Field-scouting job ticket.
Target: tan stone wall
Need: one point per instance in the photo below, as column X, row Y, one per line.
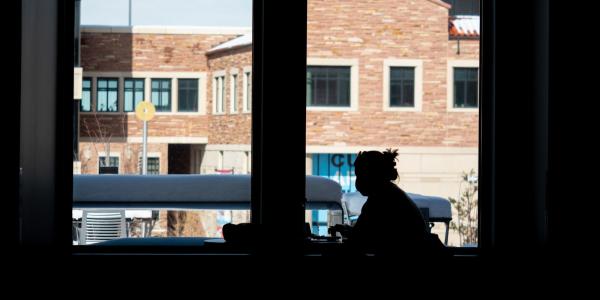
column 229, row 128
column 147, row 52
column 128, row 154
column 372, row 31
column 127, row 125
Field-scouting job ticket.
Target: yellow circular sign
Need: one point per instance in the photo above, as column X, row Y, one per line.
column 145, row 111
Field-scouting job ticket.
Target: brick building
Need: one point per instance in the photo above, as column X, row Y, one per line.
column 380, row 74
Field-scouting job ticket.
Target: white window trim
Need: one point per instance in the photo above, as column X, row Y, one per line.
column 112, row 154
column 418, row 96
column 450, row 84
column 201, row 94
column 354, row 78
column 216, row 77
column 247, row 101
column 233, row 86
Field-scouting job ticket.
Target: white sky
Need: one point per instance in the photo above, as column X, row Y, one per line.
column 233, row 13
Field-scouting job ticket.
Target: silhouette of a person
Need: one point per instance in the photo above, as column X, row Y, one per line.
column 390, row 224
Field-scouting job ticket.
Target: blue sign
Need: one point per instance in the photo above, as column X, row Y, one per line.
column 338, row 167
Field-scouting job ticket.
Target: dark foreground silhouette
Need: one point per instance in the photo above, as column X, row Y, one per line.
column 390, row 224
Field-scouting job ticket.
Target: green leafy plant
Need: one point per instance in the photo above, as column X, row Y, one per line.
column 466, row 208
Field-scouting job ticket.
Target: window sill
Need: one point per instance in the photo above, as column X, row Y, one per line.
column 331, row 109
column 401, row 109
column 468, row 110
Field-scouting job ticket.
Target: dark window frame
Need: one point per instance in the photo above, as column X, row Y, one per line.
column 153, row 167
column 54, row 229
column 188, row 89
column 402, row 82
column 108, row 90
column 248, row 92
column 234, row 93
column 332, row 77
column 465, row 88
column 159, row 105
column 90, row 91
column 133, row 90
column 112, row 167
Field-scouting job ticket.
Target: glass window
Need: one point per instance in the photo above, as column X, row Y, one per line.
column 464, row 7
column 219, row 86
column 153, row 166
column 328, row 86
column 402, row 86
column 402, row 103
column 177, row 142
column 187, row 95
column 134, row 93
column 466, row 88
column 247, row 92
column 234, row 91
column 107, row 99
column 86, row 95
column 161, row 94
column 108, row 167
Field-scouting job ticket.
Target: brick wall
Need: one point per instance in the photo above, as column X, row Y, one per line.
column 229, row 128
column 147, row 52
column 372, row 31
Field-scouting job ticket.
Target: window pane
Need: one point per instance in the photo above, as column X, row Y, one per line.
column 155, row 98
column 466, row 87
column 128, row 100
column 472, row 94
column 102, row 101
column 402, row 80
column 437, row 145
column 330, row 86
column 112, row 100
column 86, row 95
column 188, row 95
column 459, row 94
column 139, row 84
column 187, row 143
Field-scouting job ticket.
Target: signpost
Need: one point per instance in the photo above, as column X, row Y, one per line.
column 145, row 112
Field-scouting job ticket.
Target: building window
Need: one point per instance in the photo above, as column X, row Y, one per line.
column 233, row 97
column 108, row 95
column 247, row 92
column 108, row 167
column 153, row 165
column 134, row 93
column 328, row 86
column 161, row 94
column 466, row 88
column 402, row 87
column 86, row 95
column 219, row 94
column 464, row 7
column 187, row 95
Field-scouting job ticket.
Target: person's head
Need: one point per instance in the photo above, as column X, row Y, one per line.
column 374, row 168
